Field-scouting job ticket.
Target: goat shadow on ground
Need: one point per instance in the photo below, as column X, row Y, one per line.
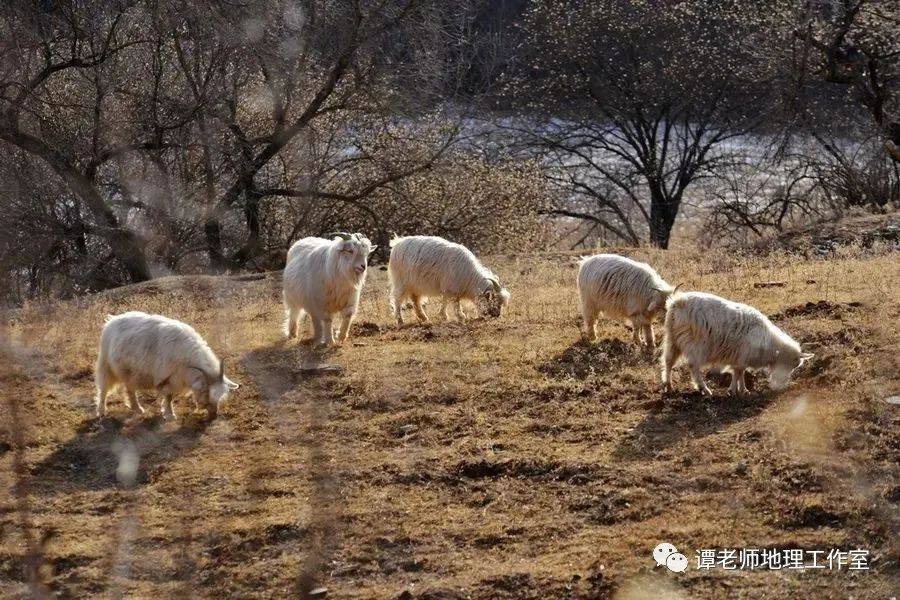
column 681, row 415
column 89, row 461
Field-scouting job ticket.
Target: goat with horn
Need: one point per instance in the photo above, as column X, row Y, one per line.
column 140, row 351
column 324, row 277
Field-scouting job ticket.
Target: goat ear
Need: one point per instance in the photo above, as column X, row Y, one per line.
column 231, row 385
column 201, row 381
column 806, row 356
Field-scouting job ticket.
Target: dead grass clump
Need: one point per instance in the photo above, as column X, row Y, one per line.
column 545, row 470
column 616, row 506
column 584, row 359
column 811, row 515
column 820, row 309
column 364, row 329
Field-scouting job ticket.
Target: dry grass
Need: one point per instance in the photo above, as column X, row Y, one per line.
column 484, row 460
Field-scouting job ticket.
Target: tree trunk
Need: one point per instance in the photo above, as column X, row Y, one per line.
column 662, row 218
column 251, row 247
column 212, row 230
column 126, row 247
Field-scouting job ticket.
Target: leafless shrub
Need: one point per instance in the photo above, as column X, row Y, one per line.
column 823, row 178
column 411, row 177
column 488, row 206
column 856, row 174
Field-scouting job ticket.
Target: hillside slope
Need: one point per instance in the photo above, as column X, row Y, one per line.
column 492, row 459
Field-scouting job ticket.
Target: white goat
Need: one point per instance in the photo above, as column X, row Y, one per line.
column 152, row 352
column 624, row 290
column 323, row 277
column 423, row 266
column 711, row 331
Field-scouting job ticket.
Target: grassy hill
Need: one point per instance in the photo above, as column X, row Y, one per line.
column 492, row 459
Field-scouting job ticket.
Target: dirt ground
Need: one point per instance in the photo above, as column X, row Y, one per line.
column 491, row 459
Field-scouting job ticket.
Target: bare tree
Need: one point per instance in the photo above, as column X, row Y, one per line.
column 647, row 100
column 175, row 129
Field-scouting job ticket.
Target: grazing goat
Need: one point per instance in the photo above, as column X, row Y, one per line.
column 624, row 290
column 710, row 331
column 152, row 352
column 323, row 277
column 424, row 266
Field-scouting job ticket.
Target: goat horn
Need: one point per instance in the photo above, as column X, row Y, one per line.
column 341, row 234
column 669, row 290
